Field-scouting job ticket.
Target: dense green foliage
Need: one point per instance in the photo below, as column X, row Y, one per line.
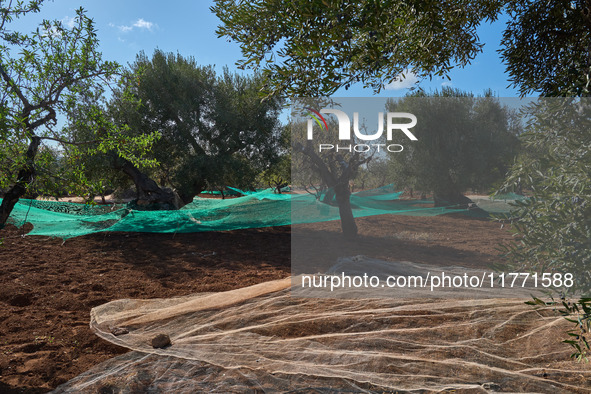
column 215, row 131
column 555, row 224
column 464, row 142
column 546, row 47
column 310, row 48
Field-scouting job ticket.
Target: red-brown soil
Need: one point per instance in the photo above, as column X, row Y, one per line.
column 47, row 286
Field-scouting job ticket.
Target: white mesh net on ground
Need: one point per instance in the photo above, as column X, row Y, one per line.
column 261, row 338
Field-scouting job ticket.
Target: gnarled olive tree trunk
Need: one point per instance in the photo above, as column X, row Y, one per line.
column 25, row 176
column 149, row 195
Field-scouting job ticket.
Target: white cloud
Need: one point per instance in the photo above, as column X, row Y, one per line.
column 142, row 24
column 446, row 83
column 69, row 22
column 403, row 82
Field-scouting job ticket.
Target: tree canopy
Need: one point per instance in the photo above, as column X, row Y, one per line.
column 44, row 74
column 215, row 131
column 464, row 142
column 547, row 47
column 309, row 48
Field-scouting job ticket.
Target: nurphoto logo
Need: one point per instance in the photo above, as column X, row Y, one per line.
column 393, row 124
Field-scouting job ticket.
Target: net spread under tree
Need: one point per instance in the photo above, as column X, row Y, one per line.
column 252, row 210
column 261, row 338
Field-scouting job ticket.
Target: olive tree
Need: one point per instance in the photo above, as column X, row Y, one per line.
column 464, row 142
column 215, row 130
column 43, row 74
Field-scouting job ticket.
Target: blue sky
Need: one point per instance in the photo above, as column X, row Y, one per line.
column 126, row 27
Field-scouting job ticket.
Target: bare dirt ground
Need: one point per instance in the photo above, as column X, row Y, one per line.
column 47, row 287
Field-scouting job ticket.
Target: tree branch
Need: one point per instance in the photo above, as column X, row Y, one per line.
column 43, row 120
column 69, row 142
column 15, row 88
